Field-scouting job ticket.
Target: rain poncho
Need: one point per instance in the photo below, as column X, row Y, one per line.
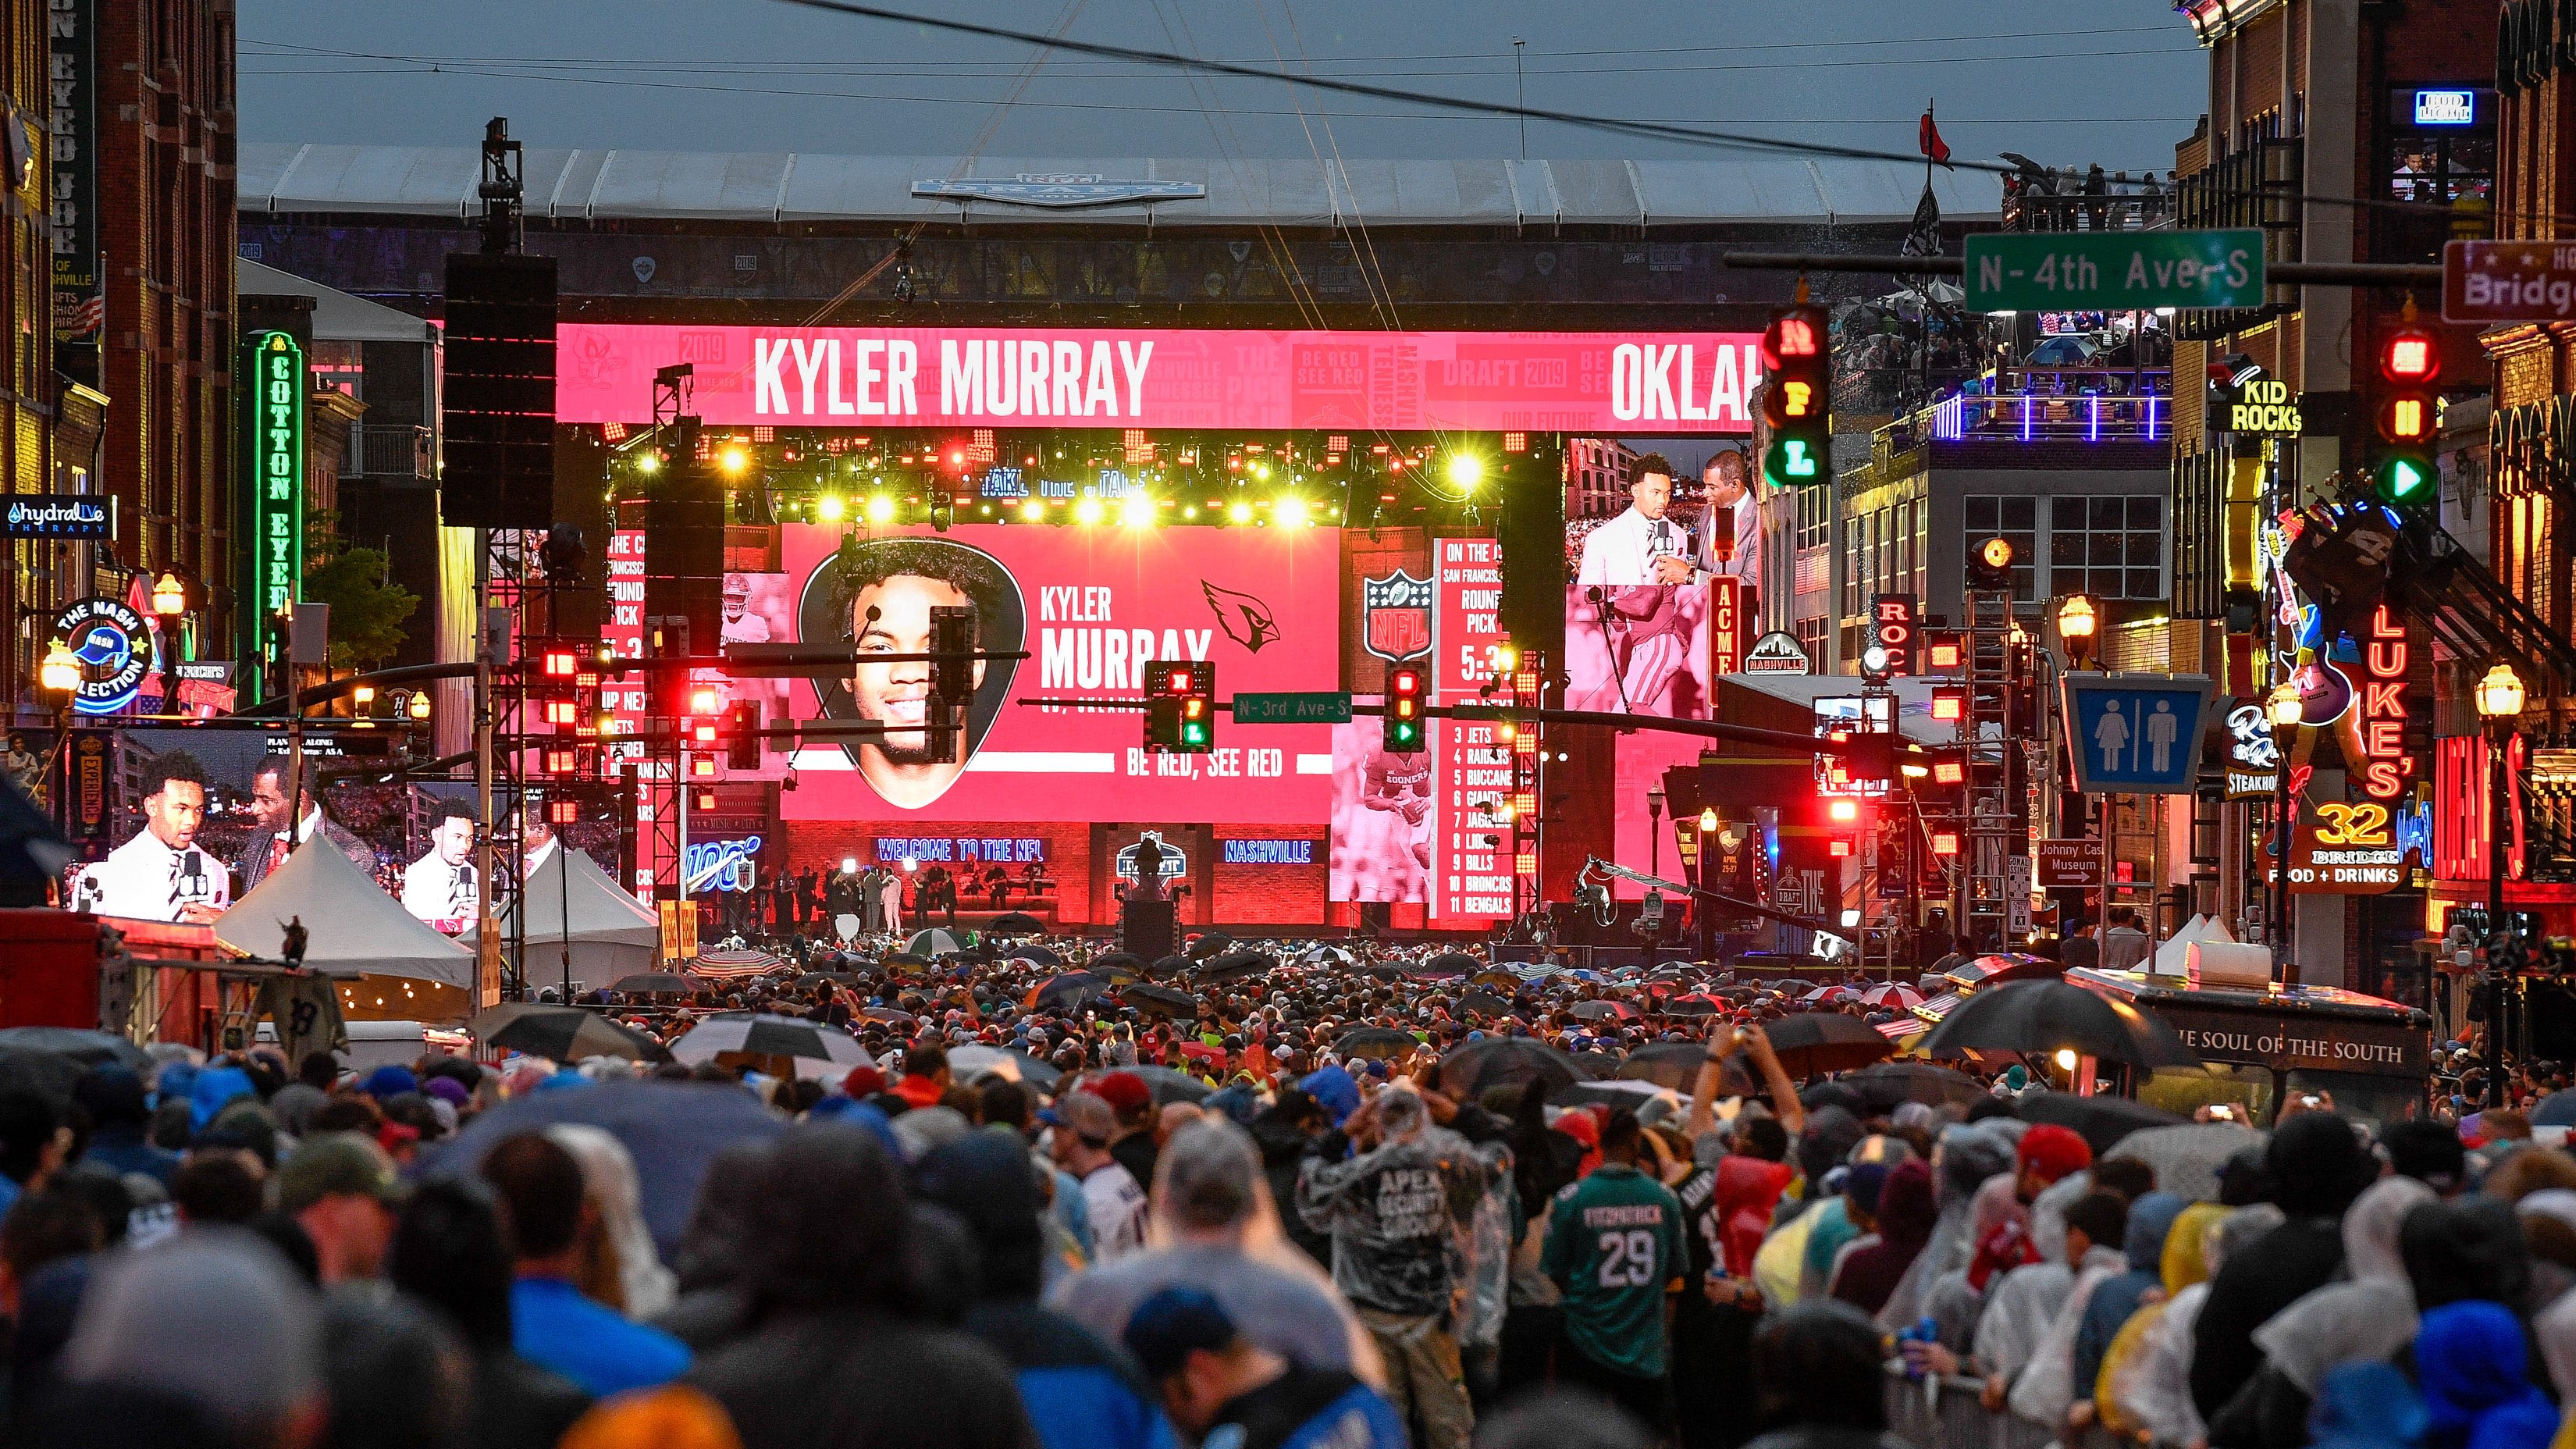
column 1394, row 1214
column 1965, row 1159
column 2370, row 1316
column 1995, row 1215
column 2367, row 1406
column 2470, row 1362
column 2151, row 1219
column 2145, row 1386
column 2046, row 1389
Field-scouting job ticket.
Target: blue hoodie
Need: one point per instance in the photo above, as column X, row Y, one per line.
column 1335, row 1089
column 214, row 1087
column 2151, row 1220
column 2366, row 1405
column 2473, row 1364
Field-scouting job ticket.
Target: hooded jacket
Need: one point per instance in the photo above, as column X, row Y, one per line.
column 1394, row 1214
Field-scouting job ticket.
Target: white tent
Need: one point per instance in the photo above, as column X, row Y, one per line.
column 612, row 934
column 2172, row 957
column 352, row 927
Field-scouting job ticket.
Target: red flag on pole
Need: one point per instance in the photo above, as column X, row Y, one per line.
column 1928, row 138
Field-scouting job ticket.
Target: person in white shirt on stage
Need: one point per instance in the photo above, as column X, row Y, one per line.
column 441, row 886
column 1630, row 605
column 161, row 874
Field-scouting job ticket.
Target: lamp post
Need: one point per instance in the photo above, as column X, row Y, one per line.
column 1654, row 827
column 2283, row 709
column 60, row 676
column 2499, row 699
column 1703, row 909
column 2077, row 624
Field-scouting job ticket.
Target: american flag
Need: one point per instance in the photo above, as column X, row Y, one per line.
column 76, row 321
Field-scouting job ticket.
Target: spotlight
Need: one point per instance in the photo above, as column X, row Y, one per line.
column 734, row 459
column 880, row 509
column 1240, row 513
column 648, row 463
column 828, row 508
column 1290, row 511
column 1087, row 512
column 1466, row 470
column 1138, row 510
column 1034, row 510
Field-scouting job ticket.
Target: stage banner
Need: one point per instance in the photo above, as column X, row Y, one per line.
column 1092, row 607
column 863, row 377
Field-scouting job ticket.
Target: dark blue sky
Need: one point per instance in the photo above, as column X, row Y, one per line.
column 2114, row 81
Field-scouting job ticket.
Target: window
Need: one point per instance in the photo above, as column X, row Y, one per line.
column 2111, row 548
column 1986, row 515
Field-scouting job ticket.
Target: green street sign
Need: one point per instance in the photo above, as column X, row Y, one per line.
column 1314, row 708
column 2118, row 271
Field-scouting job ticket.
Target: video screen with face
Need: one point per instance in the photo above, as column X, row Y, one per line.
column 1090, row 608
column 1644, row 533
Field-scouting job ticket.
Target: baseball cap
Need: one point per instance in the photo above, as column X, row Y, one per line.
column 337, row 1164
column 1124, row 1091
column 1090, row 1118
column 1166, row 1328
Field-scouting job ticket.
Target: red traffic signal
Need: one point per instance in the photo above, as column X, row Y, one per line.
column 2410, row 356
column 1949, row 704
column 1795, row 335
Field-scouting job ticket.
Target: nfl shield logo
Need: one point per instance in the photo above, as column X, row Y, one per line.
column 1396, row 616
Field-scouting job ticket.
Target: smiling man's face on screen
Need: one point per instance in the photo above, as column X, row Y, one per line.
column 883, row 594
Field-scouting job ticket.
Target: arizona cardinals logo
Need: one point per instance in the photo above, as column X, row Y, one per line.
column 1245, row 619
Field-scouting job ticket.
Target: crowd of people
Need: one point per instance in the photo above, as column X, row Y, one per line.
column 1329, row 1202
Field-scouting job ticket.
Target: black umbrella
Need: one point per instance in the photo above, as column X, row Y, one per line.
column 1016, row 923
column 2049, row 1016
column 1384, row 971
column 1212, row 943
column 1676, row 1064
column 89, row 1047
column 1170, row 1086
column 904, row 961
column 32, row 849
column 760, row 1034
column 1234, row 966
column 1887, row 1085
column 1596, row 1065
column 1036, row 956
column 656, row 983
column 2101, row 1121
column 672, row 1129
column 1692, row 1005
column 837, row 978
column 1068, row 991
column 1119, row 967
column 888, row 1015
column 1375, row 1041
column 47, row 1074
column 1815, row 1042
column 1505, row 1061
column 1449, row 963
column 1167, row 967
column 1486, row 1002
column 562, row 1033
column 1598, row 1010
column 1160, row 1001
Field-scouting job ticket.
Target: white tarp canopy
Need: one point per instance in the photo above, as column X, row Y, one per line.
column 352, row 928
column 2172, row 957
column 612, row 934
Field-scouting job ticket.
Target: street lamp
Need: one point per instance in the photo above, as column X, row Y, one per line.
column 60, row 673
column 418, row 706
column 1654, row 826
column 2284, row 711
column 2499, row 697
column 169, row 596
column 2076, row 622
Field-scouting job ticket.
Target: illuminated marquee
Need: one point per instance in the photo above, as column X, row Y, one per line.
column 2379, row 710
column 277, row 472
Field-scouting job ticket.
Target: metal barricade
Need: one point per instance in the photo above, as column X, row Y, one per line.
column 1944, row 1411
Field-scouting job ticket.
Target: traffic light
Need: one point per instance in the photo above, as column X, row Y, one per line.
column 742, row 735
column 1402, row 723
column 1180, row 706
column 2403, row 476
column 562, row 662
column 1990, row 566
column 1844, row 827
column 1853, row 759
column 1949, row 703
column 1797, row 399
column 1945, row 651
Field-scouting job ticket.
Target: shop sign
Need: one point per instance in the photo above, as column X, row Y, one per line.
column 2312, row 1042
column 2264, row 406
column 2346, row 848
column 2379, row 710
column 2508, row 281
column 114, row 647
column 2253, row 759
column 2069, row 864
column 1266, row 852
column 276, row 419
column 1726, row 624
column 1777, row 652
column 59, row 515
column 1892, row 621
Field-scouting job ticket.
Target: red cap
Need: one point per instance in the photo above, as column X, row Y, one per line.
column 1125, row 1091
column 2052, row 1152
column 863, row 1082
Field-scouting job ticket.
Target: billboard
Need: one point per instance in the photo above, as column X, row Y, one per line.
column 1675, row 382
column 1090, row 608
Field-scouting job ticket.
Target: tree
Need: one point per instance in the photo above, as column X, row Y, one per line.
column 367, row 607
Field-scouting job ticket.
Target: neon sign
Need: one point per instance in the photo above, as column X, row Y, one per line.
column 277, row 472
column 2379, row 709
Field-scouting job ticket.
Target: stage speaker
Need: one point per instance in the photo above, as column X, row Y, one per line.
column 497, row 410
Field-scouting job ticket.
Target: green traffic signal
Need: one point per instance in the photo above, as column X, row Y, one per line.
column 2405, row 480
